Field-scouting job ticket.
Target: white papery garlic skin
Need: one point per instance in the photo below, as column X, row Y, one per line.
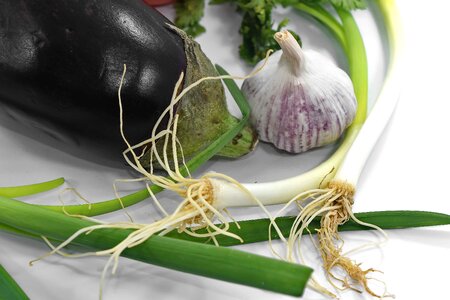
column 300, row 100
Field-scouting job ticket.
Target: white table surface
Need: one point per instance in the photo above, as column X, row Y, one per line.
column 407, row 170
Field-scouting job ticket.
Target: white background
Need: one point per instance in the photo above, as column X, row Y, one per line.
column 407, row 170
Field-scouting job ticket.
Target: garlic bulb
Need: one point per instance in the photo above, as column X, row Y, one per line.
column 300, row 100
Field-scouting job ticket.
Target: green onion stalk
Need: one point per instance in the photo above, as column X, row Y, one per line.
column 196, row 258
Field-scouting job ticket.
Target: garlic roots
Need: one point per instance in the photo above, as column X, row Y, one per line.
column 301, row 100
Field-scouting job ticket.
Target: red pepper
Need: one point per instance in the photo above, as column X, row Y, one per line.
column 158, row 2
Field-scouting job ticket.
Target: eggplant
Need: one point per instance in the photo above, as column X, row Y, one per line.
column 60, row 67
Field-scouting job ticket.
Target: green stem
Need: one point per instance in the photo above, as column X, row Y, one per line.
column 30, row 189
column 104, row 207
column 327, row 19
column 9, row 289
column 108, row 206
column 206, row 260
column 357, row 62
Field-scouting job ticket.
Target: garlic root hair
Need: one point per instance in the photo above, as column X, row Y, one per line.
column 334, row 205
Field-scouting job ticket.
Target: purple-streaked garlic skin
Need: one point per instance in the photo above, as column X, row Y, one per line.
column 298, row 108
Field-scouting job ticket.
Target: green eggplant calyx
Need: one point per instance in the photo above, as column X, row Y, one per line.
column 244, row 142
column 203, row 112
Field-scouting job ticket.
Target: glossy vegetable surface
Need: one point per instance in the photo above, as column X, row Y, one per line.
column 60, row 67
column 61, row 64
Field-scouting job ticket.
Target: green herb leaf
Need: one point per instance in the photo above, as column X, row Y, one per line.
column 188, row 16
column 256, row 28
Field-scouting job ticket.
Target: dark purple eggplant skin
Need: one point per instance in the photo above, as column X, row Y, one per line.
column 60, row 67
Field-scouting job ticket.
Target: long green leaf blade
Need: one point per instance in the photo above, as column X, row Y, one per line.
column 9, row 289
column 252, row 231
